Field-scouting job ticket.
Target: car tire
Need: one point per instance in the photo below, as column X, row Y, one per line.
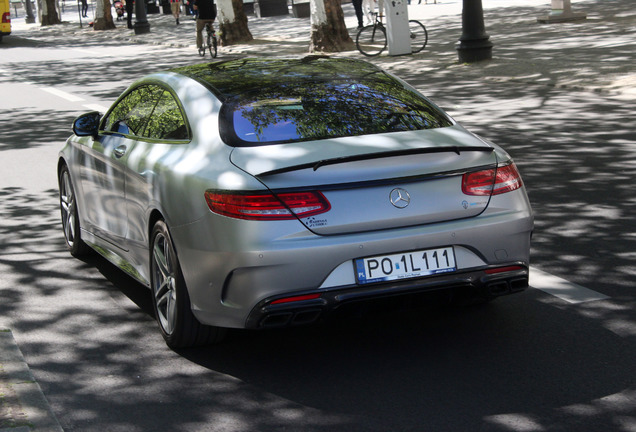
column 171, row 302
column 70, row 215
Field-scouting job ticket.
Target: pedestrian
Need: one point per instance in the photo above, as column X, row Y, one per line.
column 175, row 7
column 368, row 8
column 189, row 4
column 357, row 5
column 206, row 13
column 85, row 8
column 129, row 12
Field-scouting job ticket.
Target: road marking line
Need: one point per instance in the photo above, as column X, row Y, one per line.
column 96, row 107
column 69, row 97
column 561, row 288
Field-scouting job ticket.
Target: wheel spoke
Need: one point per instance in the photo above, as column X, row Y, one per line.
column 160, row 258
column 171, row 310
column 67, row 203
column 71, row 221
column 162, row 293
column 68, row 230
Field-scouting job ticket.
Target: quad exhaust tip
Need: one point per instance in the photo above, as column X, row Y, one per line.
column 284, row 319
column 504, row 287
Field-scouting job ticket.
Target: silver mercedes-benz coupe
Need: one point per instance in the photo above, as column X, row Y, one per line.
column 260, row 193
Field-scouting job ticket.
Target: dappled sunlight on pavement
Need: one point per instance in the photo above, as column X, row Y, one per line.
column 560, row 98
column 595, row 54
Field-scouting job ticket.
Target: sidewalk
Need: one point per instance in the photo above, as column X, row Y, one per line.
column 596, row 55
column 23, row 407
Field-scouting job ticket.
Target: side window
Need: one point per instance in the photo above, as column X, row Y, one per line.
column 167, row 120
column 132, row 112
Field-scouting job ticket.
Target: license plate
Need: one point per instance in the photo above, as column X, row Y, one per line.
column 405, row 265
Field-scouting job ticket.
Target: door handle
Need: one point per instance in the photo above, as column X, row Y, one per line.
column 120, row 151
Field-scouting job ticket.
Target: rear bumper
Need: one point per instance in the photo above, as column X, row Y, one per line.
column 486, row 283
column 232, row 280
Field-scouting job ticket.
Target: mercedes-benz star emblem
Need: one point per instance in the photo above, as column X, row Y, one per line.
column 400, row 198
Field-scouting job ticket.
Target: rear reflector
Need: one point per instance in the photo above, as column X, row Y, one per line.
column 283, row 206
column 296, row 298
column 493, row 181
column 503, row 269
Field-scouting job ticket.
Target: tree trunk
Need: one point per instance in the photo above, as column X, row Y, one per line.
column 49, row 13
column 103, row 16
column 232, row 22
column 328, row 30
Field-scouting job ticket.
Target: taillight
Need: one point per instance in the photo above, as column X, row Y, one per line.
column 492, row 181
column 6, row 18
column 267, row 206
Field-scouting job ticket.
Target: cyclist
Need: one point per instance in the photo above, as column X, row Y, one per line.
column 206, row 14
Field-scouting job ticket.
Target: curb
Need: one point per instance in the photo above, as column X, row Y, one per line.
column 30, row 398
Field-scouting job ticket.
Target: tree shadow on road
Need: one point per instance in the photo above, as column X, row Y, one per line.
column 418, row 369
column 24, row 128
column 363, row 372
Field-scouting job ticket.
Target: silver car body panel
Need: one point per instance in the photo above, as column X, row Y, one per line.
column 260, row 160
column 432, row 181
column 241, row 273
column 231, row 265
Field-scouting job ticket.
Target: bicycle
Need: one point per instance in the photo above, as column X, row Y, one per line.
column 371, row 40
column 210, row 41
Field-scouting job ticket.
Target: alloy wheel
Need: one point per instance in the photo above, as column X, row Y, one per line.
column 68, row 208
column 164, row 282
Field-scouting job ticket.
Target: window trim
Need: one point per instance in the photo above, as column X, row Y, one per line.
column 102, row 132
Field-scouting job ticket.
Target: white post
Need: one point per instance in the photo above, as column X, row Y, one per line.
column 397, row 27
column 561, row 12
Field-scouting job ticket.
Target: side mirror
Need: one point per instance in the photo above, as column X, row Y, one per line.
column 87, row 124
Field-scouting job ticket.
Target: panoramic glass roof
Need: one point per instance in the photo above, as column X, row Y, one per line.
column 285, row 100
column 234, row 77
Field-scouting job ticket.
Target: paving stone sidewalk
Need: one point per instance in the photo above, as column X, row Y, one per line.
column 597, row 54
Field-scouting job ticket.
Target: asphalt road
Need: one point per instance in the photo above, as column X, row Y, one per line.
column 529, row 362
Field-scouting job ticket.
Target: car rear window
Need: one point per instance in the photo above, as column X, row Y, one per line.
column 327, row 109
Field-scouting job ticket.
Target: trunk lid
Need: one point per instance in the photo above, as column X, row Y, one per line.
column 376, row 182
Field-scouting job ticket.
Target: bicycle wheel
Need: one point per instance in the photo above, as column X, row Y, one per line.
column 213, row 46
column 211, row 39
column 419, row 36
column 371, row 40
